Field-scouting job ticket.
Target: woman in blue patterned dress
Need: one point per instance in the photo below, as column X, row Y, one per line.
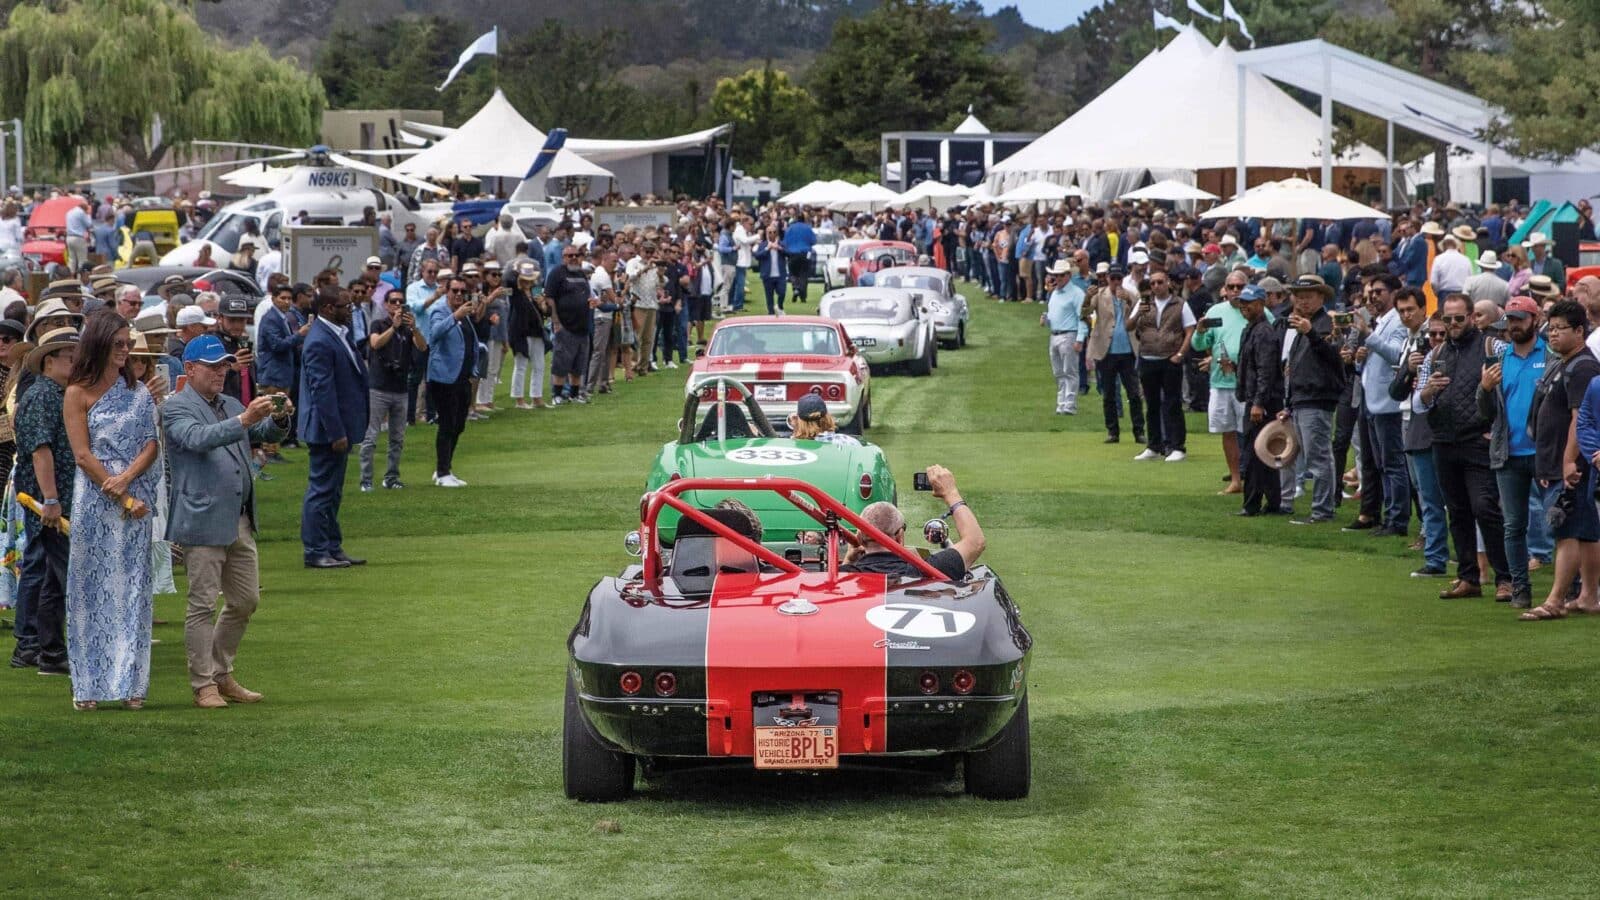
column 111, row 422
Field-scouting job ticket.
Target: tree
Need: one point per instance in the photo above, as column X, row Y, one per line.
column 99, row 74
column 1546, row 77
column 766, row 108
column 910, row 64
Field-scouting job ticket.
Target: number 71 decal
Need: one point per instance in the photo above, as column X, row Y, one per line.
column 920, row 620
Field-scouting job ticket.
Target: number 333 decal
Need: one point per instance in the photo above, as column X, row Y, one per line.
column 920, row 621
column 752, row 456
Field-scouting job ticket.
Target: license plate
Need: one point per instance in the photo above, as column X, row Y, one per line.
column 866, row 342
column 813, row 747
column 771, row 393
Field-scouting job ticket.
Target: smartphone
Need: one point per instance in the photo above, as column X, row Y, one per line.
column 1213, row 322
column 919, row 480
column 278, row 401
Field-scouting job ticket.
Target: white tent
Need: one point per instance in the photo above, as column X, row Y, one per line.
column 497, row 142
column 971, row 125
column 1109, row 144
column 820, row 193
column 1570, row 179
column 933, row 193
column 869, row 197
column 1170, row 190
column 1038, row 192
column 1291, row 198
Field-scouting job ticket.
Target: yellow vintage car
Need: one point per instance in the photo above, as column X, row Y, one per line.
column 148, row 236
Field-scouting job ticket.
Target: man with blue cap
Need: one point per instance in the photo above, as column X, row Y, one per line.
column 1259, row 389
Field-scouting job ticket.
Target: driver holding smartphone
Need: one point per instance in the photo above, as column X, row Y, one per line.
column 953, row 561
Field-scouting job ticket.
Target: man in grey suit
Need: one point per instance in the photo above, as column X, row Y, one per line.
column 213, row 512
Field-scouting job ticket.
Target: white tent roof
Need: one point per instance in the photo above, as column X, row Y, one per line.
column 869, row 197
column 971, row 125
column 1291, row 198
column 601, row 150
column 1169, row 189
column 820, row 193
column 1586, row 162
column 1039, row 192
column 933, row 193
column 1124, row 128
column 496, row 142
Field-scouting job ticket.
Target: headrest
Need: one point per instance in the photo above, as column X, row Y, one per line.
column 688, row 527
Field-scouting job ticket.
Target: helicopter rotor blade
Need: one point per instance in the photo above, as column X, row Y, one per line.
column 300, row 150
column 396, row 151
column 381, row 172
column 232, row 163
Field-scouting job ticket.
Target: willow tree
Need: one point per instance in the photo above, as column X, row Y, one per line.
column 101, row 74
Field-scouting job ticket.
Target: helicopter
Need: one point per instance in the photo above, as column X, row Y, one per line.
column 331, row 188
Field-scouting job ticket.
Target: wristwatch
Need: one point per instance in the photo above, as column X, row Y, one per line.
column 50, row 501
column 955, row 506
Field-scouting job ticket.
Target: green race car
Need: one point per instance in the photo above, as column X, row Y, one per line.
column 733, row 439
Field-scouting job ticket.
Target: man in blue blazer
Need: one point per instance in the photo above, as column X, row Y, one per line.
column 279, row 335
column 332, row 420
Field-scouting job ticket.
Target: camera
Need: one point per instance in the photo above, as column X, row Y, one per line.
column 279, row 401
column 919, row 481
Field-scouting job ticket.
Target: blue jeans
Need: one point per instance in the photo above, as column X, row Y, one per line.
column 319, row 513
column 30, row 578
column 1008, row 281
column 736, row 293
column 1386, row 431
column 1520, row 494
column 1435, row 537
column 774, row 286
column 992, row 276
column 1540, row 543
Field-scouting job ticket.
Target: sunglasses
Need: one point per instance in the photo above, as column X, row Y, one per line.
column 1451, row 320
column 391, row 303
column 458, row 290
column 1436, row 335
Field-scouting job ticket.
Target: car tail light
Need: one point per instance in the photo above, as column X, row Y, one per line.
column 963, row 681
column 928, row 682
column 835, row 392
column 666, row 684
column 816, row 389
column 865, row 487
column 630, row 682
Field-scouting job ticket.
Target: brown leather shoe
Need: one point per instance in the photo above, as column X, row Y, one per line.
column 235, row 691
column 1502, row 592
column 1460, row 589
column 208, row 698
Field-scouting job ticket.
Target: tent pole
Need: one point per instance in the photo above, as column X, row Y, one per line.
column 904, row 174
column 883, row 159
column 1388, row 165
column 1239, row 159
column 1327, row 122
column 1488, row 174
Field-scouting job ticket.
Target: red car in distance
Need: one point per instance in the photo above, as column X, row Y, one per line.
column 869, row 258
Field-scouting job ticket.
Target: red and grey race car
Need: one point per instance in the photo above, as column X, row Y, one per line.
column 719, row 649
column 783, row 358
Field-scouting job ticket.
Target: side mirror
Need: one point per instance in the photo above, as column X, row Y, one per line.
column 633, row 543
column 936, row 531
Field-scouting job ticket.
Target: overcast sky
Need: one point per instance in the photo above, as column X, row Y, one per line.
column 1052, row 15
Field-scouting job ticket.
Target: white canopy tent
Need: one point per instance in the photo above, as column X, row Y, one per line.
column 869, row 197
column 497, row 142
column 1291, row 198
column 1170, row 190
column 1041, row 191
column 820, row 193
column 1570, row 179
column 1113, row 141
column 936, row 194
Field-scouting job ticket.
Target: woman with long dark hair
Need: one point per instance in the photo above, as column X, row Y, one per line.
column 111, row 422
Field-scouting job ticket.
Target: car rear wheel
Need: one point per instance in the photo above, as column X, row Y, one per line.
column 961, row 334
column 862, row 420
column 591, row 771
column 933, row 350
column 1004, row 769
column 923, row 365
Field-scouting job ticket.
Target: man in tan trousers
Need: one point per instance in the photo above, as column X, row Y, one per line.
column 213, row 514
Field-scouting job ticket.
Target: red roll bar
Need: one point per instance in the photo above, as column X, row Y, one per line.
column 827, row 511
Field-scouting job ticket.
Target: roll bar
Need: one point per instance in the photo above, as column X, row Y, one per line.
column 827, row 511
column 691, row 405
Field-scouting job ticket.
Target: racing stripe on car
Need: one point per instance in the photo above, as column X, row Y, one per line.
column 751, row 646
column 769, row 373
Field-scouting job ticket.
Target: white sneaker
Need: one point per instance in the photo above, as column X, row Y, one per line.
column 671, row 364
column 450, row 481
column 436, row 478
column 1177, row 456
column 1146, row 454
column 1070, row 410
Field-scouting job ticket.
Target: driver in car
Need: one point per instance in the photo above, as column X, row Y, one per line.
column 953, row 561
column 811, row 421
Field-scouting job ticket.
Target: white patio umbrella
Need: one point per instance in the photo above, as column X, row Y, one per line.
column 1168, row 189
column 1038, row 192
column 1291, row 198
column 869, row 197
column 933, row 193
column 979, row 196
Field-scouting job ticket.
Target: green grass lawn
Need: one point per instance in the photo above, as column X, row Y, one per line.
column 1220, row 706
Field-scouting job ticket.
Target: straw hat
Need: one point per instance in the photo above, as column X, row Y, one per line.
column 1433, row 228
column 1488, row 260
column 53, row 340
column 1542, row 287
column 1536, row 239
column 1464, row 232
column 1277, row 445
column 141, row 346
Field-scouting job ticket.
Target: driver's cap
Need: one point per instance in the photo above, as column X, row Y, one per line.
column 811, row 408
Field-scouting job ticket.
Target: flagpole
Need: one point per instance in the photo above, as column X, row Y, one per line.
column 495, row 72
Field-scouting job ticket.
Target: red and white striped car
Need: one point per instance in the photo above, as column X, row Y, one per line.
column 783, row 358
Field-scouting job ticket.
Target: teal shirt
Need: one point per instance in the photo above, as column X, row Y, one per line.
column 1065, row 311
column 1229, row 336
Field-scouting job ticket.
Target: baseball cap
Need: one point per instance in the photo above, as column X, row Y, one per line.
column 207, row 348
column 1138, row 258
column 1211, row 248
column 235, row 306
column 1252, row 293
column 1102, row 268
column 194, row 315
column 811, row 408
column 1522, row 308
column 1271, row 285
column 374, row 261
column 15, row 328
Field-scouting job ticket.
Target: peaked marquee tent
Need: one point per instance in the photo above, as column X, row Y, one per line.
column 1110, row 144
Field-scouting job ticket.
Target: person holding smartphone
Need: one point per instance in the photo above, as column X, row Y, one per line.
column 396, row 347
column 1217, row 337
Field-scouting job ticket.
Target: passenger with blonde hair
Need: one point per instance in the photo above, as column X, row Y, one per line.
column 811, row 421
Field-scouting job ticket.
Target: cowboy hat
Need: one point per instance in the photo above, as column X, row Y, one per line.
column 152, row 321
column 1433, row 228
column 1464, row 232
column 1059, row 267
column 1536, row 239
column 1541, row 286
column 141, row 346
column 1311, row 283
column 1488, row 260
column 53, row 340
column 1277, row 444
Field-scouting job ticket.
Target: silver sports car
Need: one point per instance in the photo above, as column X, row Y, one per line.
column 890, row 326
column 939, row 293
